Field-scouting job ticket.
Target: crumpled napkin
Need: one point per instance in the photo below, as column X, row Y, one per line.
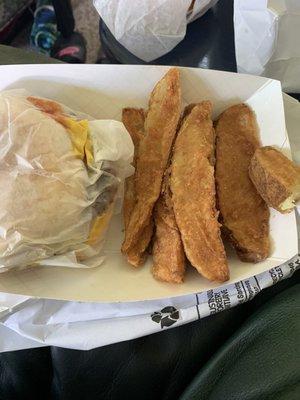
column 266, row 34
column 150, row 29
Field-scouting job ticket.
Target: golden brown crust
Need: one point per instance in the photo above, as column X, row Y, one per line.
column 138, row 254
column 153, row 155
column 169, row 261
column 133, row 119
column 275, row 177
column 168, row 252
column 187, row 110
column 193, row 194
column 244, row 214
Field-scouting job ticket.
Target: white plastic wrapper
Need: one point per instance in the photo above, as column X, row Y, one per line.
column 266, row 40
column 60, row 176
column 150, row 29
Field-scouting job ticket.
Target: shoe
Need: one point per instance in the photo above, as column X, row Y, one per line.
column 70, row 50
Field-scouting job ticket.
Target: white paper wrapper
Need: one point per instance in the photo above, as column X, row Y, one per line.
column 26, row 322
column 150, row 29
column 266, row 39
column 59, row 181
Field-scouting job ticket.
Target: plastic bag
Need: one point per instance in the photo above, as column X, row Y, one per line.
column 150, row 29
column 266, row 39
column 60, row 175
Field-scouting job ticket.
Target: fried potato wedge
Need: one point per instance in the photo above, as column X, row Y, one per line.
column 193, row 194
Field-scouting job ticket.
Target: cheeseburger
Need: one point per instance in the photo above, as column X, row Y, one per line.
column 59, row 177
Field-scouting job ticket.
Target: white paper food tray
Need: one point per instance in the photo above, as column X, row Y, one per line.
column 102, row 91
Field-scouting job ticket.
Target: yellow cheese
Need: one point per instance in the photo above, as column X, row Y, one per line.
column 99, row 225
column 79, row 133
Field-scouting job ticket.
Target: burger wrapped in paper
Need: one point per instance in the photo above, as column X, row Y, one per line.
column 60, row 175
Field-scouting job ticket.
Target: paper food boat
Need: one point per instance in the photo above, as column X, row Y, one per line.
column 102, row 91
